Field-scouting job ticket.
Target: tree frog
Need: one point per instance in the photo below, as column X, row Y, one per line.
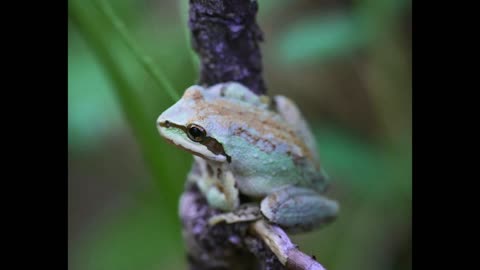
column 256, row 156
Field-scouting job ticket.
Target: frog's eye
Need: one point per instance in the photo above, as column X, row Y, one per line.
column 196, row 133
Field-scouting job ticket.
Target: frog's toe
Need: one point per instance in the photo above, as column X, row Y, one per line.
column 243, row 213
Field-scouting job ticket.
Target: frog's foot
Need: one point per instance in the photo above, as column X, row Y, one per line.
column 298, row 209
column 244, row 213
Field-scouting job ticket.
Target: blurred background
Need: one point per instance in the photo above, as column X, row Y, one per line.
column 346, row 63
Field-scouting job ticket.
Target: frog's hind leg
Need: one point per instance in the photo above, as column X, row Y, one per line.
column 293, row 116
column 298, row 209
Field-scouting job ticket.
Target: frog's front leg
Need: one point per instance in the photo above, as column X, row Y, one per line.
column 220, row 193
column 224, row 195
column 297, row 209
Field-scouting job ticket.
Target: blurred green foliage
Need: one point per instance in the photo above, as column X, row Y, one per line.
column 91, row 102
column 317, row 38
column 111, row 93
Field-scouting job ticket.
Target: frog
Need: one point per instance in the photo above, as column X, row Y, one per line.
column 255, row 156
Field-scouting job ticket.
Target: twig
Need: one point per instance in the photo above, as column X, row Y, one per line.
column 279, row 242
column 225, row 36
column 256, row 245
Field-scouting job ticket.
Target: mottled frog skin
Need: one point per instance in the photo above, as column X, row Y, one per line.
column 252, row 145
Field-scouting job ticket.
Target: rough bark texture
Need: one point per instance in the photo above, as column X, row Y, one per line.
column 223, row 246
column 225, row 35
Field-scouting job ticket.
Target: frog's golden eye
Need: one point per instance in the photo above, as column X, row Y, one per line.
column 196, row 133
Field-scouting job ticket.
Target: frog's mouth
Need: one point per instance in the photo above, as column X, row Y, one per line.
column 209, row 148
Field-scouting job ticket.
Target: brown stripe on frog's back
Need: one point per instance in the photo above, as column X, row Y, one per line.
column 268, row 146
column 263, row 144
column 231, row 112
column 261, row 120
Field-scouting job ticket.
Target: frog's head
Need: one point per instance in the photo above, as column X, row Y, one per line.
column 185, row 125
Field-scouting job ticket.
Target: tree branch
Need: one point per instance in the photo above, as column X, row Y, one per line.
column 225, row 36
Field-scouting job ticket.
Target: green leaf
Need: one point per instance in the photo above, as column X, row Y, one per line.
column 92, row 108
column 267, row 7
column 339, row 34
column 156, row 153
column 320, row 38
column 137, row 237
column 367, row 169
column 146, row 60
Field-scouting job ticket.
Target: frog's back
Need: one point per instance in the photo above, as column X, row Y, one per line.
column 268, row 152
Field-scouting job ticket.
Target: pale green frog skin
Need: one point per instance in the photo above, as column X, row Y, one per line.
column 255, row 146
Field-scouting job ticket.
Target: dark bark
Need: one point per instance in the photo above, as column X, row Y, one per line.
column 226, row 37
column 226, row 247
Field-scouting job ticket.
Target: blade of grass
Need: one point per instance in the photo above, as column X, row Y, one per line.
column 131, row 105
column 144, row 59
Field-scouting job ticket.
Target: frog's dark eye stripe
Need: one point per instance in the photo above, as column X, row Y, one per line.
column 198, row 134
column 215, row 147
